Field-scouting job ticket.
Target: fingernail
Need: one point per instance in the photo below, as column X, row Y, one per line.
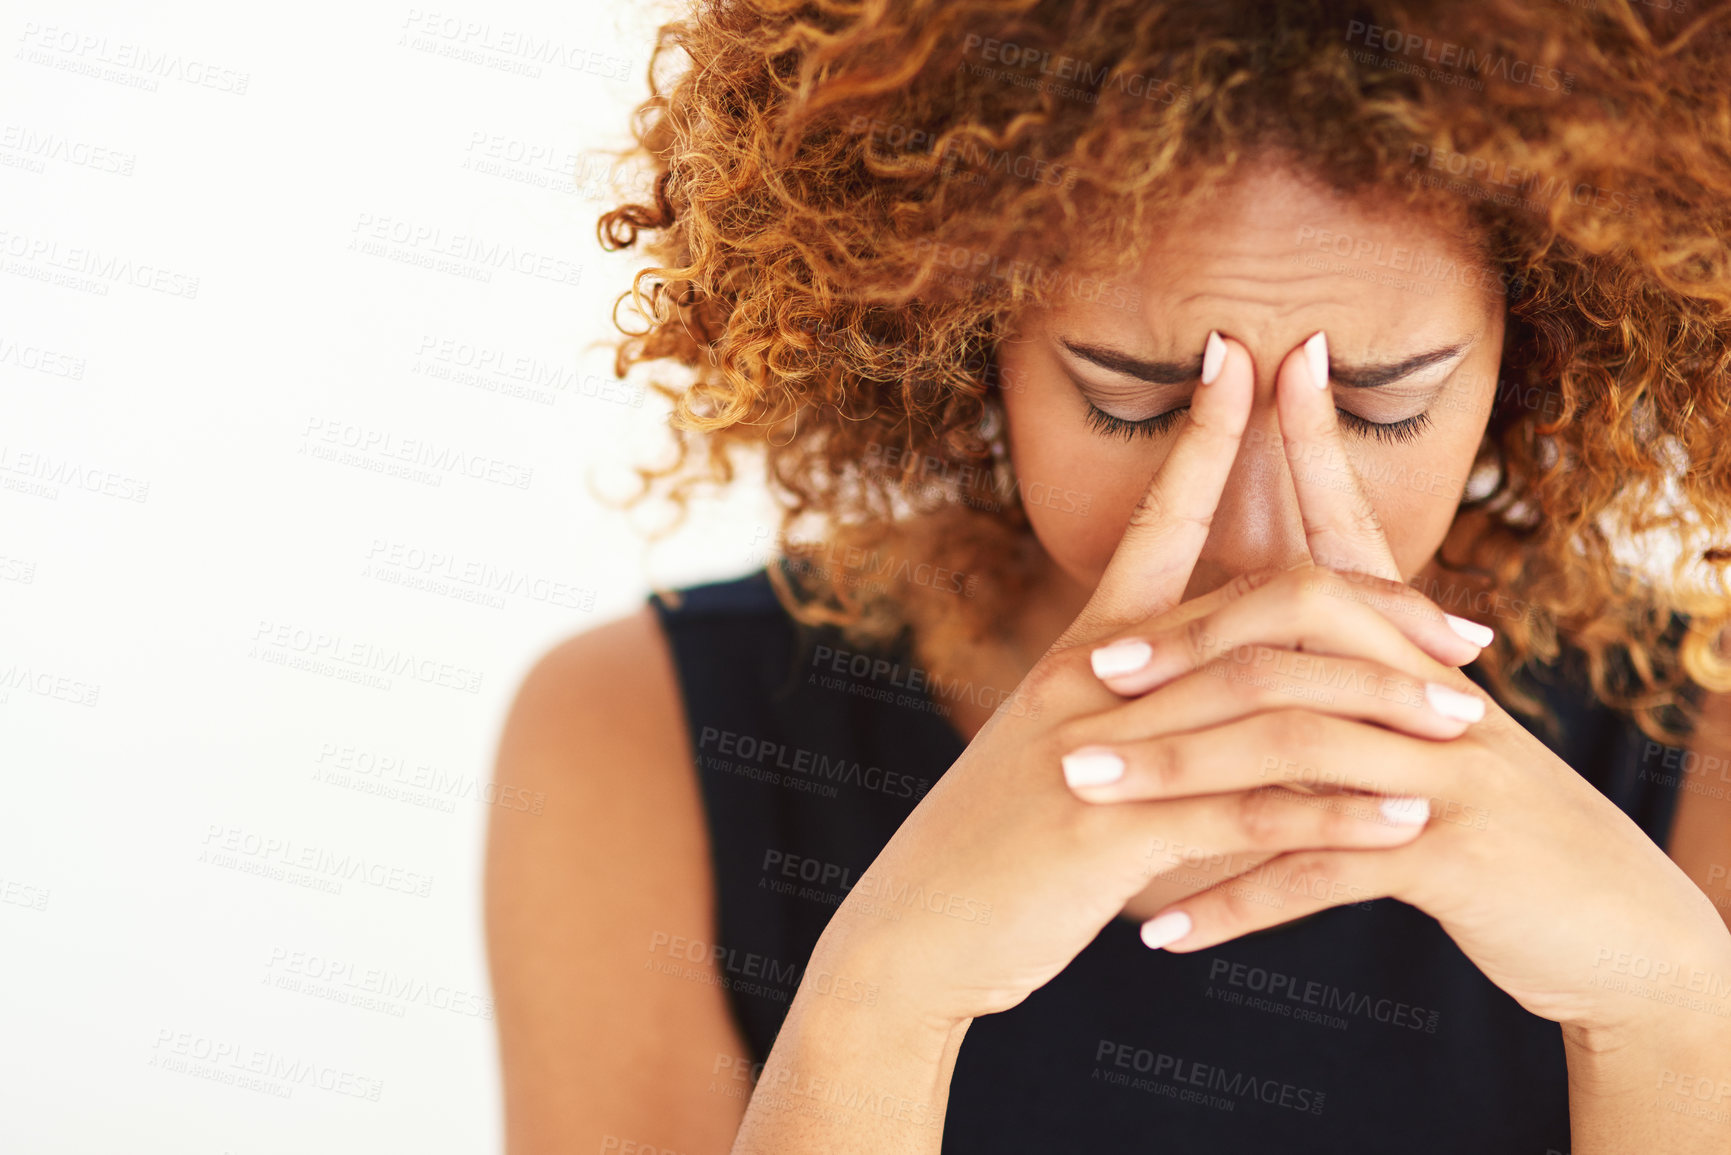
column 1478, row 635
column 1453, row 704
column 1213, row 356
column 1406, row 811
column 1165, row 929
column 1125, row 657
column 1092, row 766
column 1316, row 352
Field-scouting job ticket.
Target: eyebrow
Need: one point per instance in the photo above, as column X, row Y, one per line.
column 1365, row 376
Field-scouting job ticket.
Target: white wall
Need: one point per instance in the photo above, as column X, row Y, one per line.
column 216, row 227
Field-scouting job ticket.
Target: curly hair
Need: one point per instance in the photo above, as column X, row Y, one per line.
column 854, row 200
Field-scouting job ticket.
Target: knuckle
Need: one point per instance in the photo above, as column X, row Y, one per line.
column 1058, row 669
column 1336, row 821
column 1071, row 733
column 1236, row 668
column 1399, row 688
column 1151, row 509
column 1313, row 872
column 1260, row 817
column 1362, row 516
column 1161, row 764
column 1299, row 732
column 1198, row 635
column 1243, row 902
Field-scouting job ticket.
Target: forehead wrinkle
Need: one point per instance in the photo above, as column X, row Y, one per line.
column 1281, row 305
column 1248, row 286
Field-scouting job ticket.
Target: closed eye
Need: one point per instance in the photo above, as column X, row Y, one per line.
column 1406, row 429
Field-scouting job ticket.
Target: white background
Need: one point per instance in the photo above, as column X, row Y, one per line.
column 219, row 341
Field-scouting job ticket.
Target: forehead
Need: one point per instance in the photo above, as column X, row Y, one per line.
column 1272, row 257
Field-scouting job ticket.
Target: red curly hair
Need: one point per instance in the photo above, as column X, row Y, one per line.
column 853, row 200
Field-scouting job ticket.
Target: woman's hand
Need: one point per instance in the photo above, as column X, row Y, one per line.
column 1552, row 891
column 1001, row 832
column 1546, row 885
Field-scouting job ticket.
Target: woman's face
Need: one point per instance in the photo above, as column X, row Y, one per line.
column 1410, row 315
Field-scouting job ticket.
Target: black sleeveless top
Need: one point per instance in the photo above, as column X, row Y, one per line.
column 1360, row 1029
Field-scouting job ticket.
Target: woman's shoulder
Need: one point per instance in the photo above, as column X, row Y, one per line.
column 596, row 725
column 618, row 682
column 590, row 885
column 616, row 673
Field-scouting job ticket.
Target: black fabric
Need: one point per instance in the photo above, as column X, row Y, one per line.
column 1361, row 1029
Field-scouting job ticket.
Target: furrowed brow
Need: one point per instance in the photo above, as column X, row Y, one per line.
column 1367, row 375
column 1154, row 372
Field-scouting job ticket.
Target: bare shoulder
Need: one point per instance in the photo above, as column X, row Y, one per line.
column 1700, row 840
column 622, row 671
column 597, row 847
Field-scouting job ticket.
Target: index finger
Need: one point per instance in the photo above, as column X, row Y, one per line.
column 1153, row 562
column 1340, row 523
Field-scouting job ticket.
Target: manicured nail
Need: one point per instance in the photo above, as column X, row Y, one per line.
column 1406, row 811
column 1165, row 929
column 1316, row 353
column 1453, row 704
column 1092, row 766
column 1124, row 657
column 1473, row 632
column 1213, row 356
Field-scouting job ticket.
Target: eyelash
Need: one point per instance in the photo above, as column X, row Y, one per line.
column 1393, row 431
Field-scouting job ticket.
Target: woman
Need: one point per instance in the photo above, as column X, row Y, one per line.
column 1117, row 759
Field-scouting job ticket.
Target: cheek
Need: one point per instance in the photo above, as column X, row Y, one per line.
column 1079, row 490
column 1416, row 492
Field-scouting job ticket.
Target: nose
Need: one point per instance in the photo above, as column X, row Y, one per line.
column 1257, row 524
